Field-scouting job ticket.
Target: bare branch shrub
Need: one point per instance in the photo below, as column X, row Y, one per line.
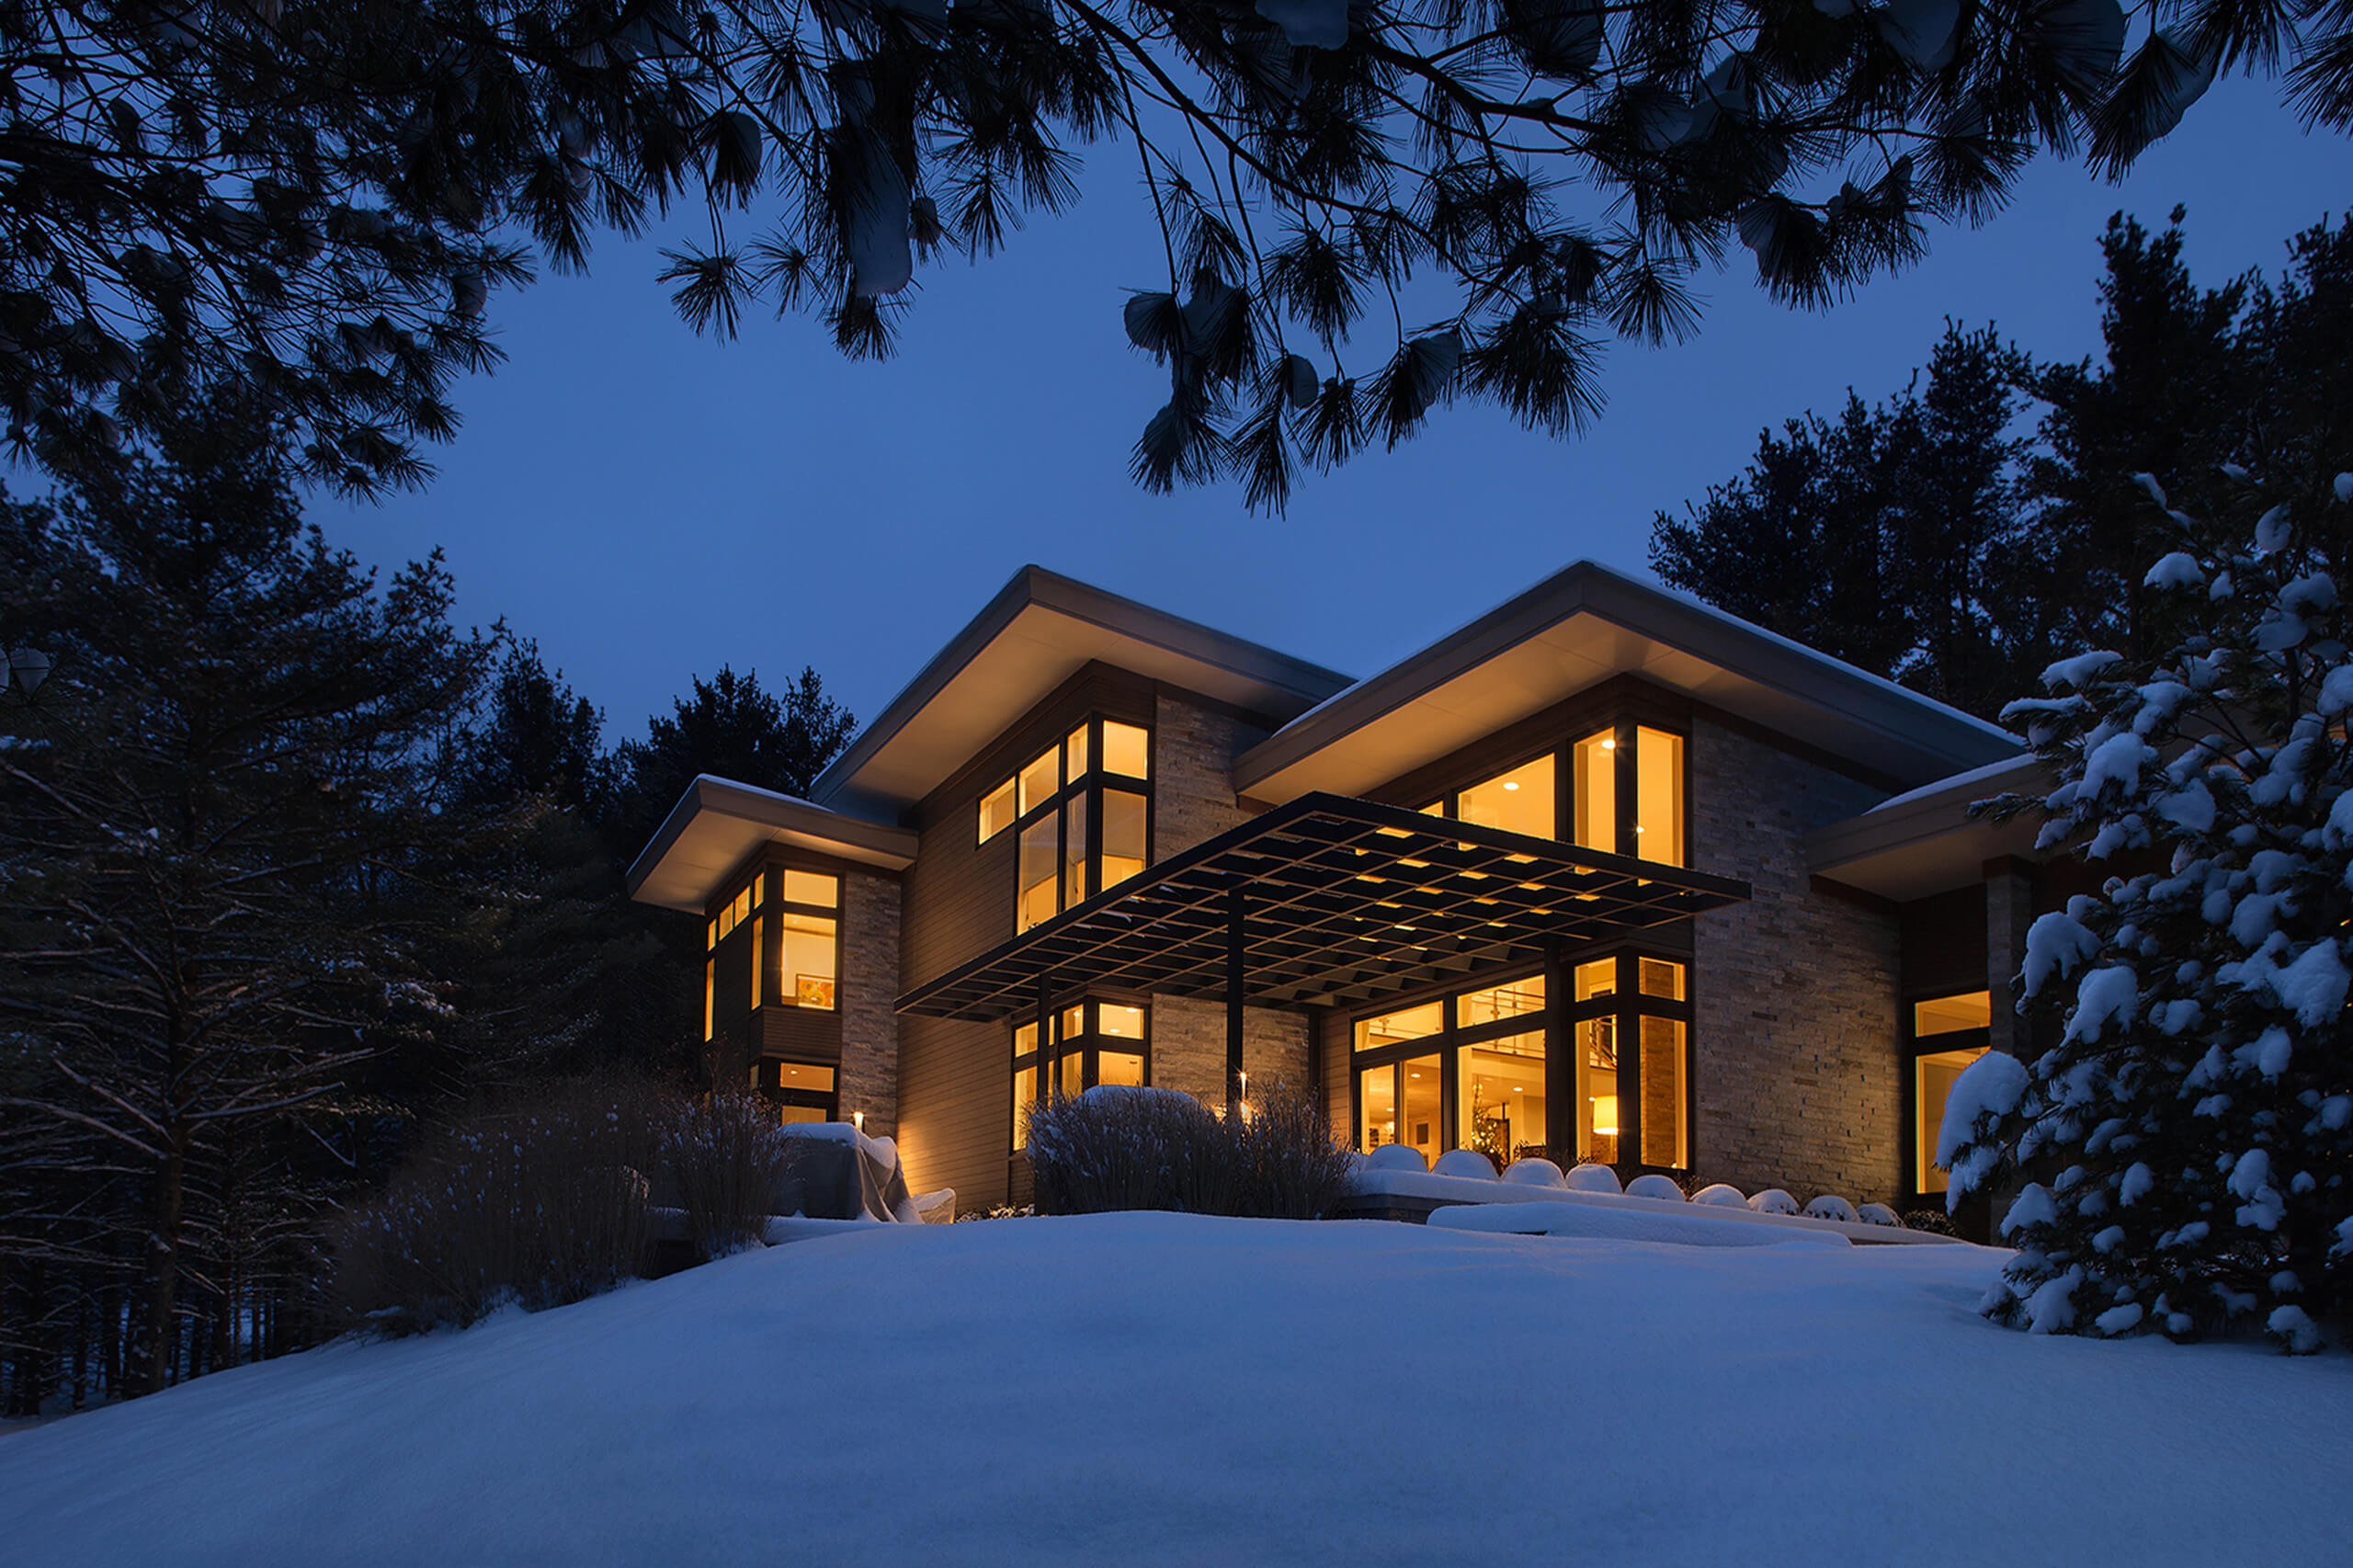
column 539, row 1203
column 728, row 1158
column 1119, row 1148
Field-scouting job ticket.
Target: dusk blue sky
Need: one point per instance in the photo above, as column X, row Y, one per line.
column 650, row 505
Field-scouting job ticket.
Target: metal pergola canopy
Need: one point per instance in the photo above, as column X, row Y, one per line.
column 1341, row 901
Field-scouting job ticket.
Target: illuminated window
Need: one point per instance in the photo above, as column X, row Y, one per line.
column 1078, row 835
column 1040, row 780
column 1400, row 1104
column 1960, row 1027
column 803, row 1091
column 1658, row 796
column 1595, row 768
column 1517, row 801
column 710, row 968
column 1127, row 750
column 996, row 811
column 759, row 957
column 1500, row 1098
column 1410, row 1023
column 813, row 888
column 1514, row 1000
column 809, row 956
column 1093, row 1042
column 1950, row 1014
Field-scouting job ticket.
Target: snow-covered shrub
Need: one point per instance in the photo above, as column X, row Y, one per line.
column 725, row 1157
column 1589, row 1178
column 1720, row 1195
column 1115, row 1148
column 1534, row 1171
column 1397, row 1158
column 538, row 1202
column 1876, row 1214
column 1773, row 1200
column 1464, row 1162
column 1662, row 1188
column 1830, row 1206
column 2181, row 1154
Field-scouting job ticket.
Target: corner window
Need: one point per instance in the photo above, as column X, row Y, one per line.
column 808, row 947
column 1948, row 1033
column 1088, row 1043
column 1082, row 814
column 1633, row 1050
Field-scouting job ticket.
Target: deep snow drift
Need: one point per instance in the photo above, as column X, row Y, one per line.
column 1160, row 1388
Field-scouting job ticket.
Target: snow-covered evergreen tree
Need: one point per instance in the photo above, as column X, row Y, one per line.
column 2180, row 1155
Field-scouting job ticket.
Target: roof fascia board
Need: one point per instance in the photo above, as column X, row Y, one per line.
column 801, row 822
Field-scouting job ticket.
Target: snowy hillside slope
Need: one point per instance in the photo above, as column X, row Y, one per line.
column 1159, row 1388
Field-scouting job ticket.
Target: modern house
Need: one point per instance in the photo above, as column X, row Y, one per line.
column 1604, row 874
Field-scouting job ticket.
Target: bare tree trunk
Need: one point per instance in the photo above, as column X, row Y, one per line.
column 161, row 1284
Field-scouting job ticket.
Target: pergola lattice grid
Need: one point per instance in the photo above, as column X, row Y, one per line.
column 1342, row 901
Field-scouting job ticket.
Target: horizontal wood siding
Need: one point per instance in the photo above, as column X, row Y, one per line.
column 804, row 1034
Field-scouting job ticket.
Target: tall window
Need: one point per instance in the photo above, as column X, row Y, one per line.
column 1948, row 1033
column 1081, row 814
column 1631, row 1050
column 1623, row 794
column 808, row 951
column 1088, row 1043
column 1464, row 1072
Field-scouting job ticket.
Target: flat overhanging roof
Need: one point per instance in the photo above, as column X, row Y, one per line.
column 718, row 822
column 1925, row 842
column 1039, row 630
column 1343, row 900
column 1576, row 628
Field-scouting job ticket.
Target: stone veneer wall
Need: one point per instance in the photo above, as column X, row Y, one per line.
column 1193, row 753
column 1194, row 748
column 1188, row 1047
column 870, row 950
column 1796, row 1048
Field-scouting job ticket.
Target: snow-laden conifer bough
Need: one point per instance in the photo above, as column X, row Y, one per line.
column 2181, row 1159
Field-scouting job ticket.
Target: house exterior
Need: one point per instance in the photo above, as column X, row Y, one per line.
column 1603, row 875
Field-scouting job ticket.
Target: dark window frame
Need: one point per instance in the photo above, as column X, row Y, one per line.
column 1090, row 786
column 1089, row 1041
column 1627, row 1006
column 1917, row 1045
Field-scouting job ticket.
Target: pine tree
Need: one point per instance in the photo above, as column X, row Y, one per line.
column 316, row 199
column 1890, row 539
column 224, row 857
column 734, row 727
column 2187, row 1146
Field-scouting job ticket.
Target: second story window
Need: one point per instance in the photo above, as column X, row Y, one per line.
column 1617, row 790
column 1081, row 814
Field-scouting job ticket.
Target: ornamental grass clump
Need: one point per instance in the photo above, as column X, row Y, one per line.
column 1116, row 1148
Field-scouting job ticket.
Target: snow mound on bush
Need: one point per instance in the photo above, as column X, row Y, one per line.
column 1773, row 1200
column 1396, row 1157
column 1592, row 1178
column 1721, row 1195
column 1660, row 1187
column 1534, row 1173
column 1830, row 1206
column 1464, row 1162
column 1877, row 1214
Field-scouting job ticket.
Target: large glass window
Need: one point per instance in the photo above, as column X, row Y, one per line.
column 1466, row 1071
column 1089, row 1043
column 1502, row 1097
column 1606, row 771
column 1084, row 812
column 1402, row 1103
column 1947, row 1034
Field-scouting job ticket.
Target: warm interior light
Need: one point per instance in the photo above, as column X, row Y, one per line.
column 1511, row 783
column 1609, row 745
column 1605, row 1109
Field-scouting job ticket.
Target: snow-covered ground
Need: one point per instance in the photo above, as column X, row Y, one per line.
column 1160, row 1388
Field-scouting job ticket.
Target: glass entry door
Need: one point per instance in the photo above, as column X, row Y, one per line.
column 1402, row 1104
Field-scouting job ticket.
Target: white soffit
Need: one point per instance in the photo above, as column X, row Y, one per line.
column 1575, row 630
column 1039, row 632
column 718, row 823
